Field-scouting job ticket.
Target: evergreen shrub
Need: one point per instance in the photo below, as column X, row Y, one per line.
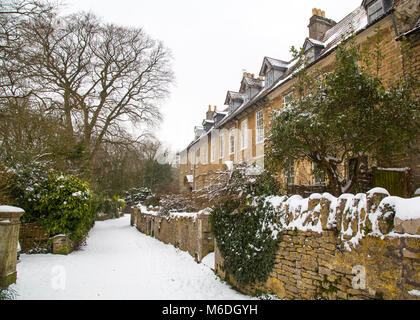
column 63, row 204
column 245, row 224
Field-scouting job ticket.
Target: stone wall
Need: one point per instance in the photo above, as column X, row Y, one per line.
column 188, row 233
column 33, row 238
column 305, row 190
column 351, row 247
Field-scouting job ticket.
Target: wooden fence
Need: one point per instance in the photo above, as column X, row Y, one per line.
column 396, row 181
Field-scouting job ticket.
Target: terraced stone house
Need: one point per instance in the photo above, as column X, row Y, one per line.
column 236, row 133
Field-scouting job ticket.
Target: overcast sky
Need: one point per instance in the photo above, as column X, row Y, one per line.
column 213, row 43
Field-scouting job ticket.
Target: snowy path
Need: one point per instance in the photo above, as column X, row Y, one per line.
column 119, row 262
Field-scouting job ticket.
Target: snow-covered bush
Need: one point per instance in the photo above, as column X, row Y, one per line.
column 138, row 195
column 62, row 204
column 245, row 180
column 7, row 294
column 176, row 203
column 26, row 179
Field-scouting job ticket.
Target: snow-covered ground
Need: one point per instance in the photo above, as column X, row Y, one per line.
column 119, row 262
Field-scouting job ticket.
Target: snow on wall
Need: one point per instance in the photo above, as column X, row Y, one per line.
column 10, row 209
column 354, row 216
column 190, row 232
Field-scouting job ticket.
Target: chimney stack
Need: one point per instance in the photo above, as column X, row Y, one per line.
column 319, row 25
column 248, row 75
column 209, row 113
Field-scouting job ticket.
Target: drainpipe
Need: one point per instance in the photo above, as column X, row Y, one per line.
column 394, row 22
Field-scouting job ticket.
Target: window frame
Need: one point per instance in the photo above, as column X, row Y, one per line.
column 319, row 176
column 221, row 145
column 244, row 136
column 212, row 150
column 377, row 13
column 232, row 141
column 205, row 158
column 289, row 172
column 310, row 55
column 259, row 126
column 269, row 78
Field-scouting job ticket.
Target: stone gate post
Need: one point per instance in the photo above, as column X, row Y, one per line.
column 9, row 237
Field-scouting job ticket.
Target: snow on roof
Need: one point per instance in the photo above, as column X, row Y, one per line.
column 232, row 95
column 350, row 24
column 242, row 107
column 252, row 82
column 274, row 63
column 316, row 42
column 277, row 63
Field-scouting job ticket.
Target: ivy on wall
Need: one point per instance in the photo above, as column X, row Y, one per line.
column 247, row 234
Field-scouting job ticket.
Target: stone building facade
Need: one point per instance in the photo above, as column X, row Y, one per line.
column 236, row 134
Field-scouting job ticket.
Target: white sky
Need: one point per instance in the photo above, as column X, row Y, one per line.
column 213, row 43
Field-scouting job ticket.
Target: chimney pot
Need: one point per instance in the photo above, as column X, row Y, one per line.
column 319, row 24
column 215, row 108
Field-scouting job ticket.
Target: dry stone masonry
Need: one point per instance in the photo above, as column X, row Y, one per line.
column 364, row 246
column 188, row 232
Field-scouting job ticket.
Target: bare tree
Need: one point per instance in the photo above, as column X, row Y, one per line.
column 99, row 75
column 13, row 13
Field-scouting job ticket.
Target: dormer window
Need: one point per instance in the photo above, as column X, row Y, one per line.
column 312, row 50
column 248, row 94
column 269, row 78
column 234, row 100
column 310, row 55
column 272, row 69
column 375, row 9
column 250, row 86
